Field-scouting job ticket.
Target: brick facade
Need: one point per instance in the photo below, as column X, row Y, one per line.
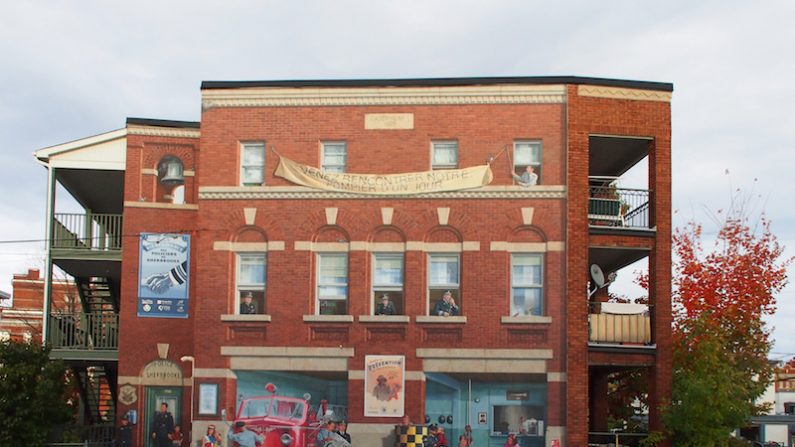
column 291, row 226
column 22, row 321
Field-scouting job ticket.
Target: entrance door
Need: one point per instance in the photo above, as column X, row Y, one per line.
column 443, row 407
column 156, row 395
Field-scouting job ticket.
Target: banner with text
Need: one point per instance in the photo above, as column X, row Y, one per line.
column 385, row 184
column 163, row 275
column 384, row 382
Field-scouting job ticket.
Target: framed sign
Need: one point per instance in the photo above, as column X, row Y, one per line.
column 208, row 398
column 384, row 381
column 163, row 275
column 517, row 395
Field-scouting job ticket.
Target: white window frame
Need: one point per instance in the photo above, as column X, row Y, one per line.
column 535, row 164
column 446, row 286
column 318, row 284
column 239, row 285
column 388, row 287
column 333, row 167
column 251, row 145
column 540, row 286
column 434, row 164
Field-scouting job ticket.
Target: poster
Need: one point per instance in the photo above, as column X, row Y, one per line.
column 208, row 398
column 384, row 383
column 163, row 275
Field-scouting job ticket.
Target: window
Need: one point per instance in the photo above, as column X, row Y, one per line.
column 388, row 279
column 252, row 164
column 526, row 284
column 335, row 157
column 332, row 283
column 443, row 275
column 251, row 275
column 444, row 154
column 527, row 153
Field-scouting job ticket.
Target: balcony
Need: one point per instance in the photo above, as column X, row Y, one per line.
column 611, row 206
column 98, row 232
column 619, row 324
column 77, row 335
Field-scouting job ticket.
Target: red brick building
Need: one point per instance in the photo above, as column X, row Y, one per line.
column 21, row 313
column 526, row 346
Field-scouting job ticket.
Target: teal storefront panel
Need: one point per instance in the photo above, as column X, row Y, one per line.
column 478, row 403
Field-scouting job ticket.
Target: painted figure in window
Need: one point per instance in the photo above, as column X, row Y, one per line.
column 248, row 306
column 446, row 306
column 528, row 177
column 385, row 307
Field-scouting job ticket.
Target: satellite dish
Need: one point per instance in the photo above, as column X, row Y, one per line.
column 597, row 275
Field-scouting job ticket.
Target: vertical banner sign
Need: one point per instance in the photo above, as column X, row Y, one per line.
column 384, row 383
column 163, row 275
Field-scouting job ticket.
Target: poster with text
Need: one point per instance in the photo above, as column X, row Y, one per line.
column 163, row 275
column 384, row 384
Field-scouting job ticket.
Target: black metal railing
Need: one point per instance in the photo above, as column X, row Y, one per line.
column 619, row 207
column 76, row 435
column 87, row 231
column 84, row 331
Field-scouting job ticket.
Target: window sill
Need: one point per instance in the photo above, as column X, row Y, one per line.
column 328, row 318
column 238, row 317
column 526, row 319
column 441, row 320
column 384, row 318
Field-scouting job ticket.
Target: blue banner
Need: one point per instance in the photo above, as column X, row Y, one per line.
column 163, row 274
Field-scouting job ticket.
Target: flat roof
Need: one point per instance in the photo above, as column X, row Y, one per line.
column 438, row 82
column 163, row 123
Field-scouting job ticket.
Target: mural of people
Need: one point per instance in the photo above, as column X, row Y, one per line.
column 211, row 438
column 446, row 305
column 162, row 426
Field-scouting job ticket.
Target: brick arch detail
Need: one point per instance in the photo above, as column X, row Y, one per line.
column 250, row 233
column 154, row 152
column 317, row 236
column 439, row 231
column 527, row 233
column 375, row 236
column 346, row 221
column 234, row 223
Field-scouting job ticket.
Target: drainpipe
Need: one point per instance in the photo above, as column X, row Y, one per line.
column 469, row 405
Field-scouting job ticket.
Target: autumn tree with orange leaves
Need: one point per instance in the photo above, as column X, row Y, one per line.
column 721, row 343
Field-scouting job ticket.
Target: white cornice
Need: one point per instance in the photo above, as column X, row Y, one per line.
column 301, row 192
column 383, row 96
column 156, row 131
column 600, row 91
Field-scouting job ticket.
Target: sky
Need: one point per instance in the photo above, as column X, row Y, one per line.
column 71, row 69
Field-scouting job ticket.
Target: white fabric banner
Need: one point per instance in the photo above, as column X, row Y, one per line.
column 385, row 184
